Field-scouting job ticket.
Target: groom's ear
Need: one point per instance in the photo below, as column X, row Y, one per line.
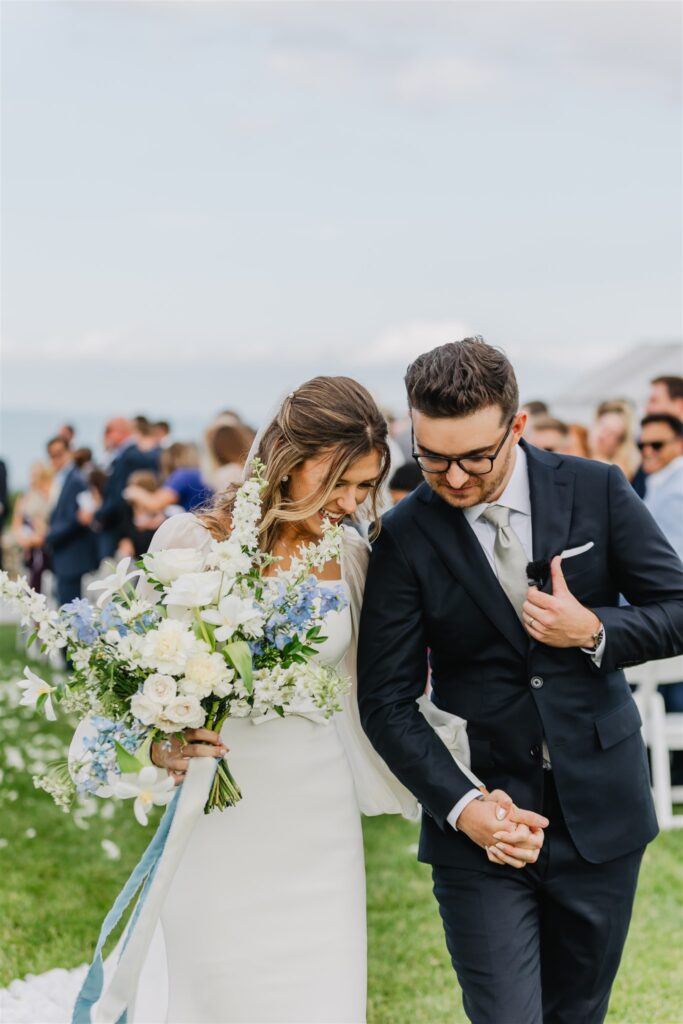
column 519, row 424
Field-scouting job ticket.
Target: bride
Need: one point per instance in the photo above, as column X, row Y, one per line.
column 283, row 936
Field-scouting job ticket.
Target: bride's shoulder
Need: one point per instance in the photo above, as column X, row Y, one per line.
column 184, row 530
column 356, row 550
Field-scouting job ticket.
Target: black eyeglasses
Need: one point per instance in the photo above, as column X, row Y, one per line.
column 655, row 445
column 473, row 465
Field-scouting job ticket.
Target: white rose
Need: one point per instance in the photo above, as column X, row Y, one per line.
column 205, row 674
column 160, row 688
column 195, row 589
column 145, row 709
column 181, row 713
column 166, row 566
column 167, row 648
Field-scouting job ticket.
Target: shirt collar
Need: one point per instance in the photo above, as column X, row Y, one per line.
column 516, row 495
column 655, row 480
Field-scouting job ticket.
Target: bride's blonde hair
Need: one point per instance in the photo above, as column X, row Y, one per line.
column 334, row 415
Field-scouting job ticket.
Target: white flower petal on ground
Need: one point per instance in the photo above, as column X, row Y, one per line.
column 168, row 565
column 116, row 582
column 194, row 589
column 34, row 687
column 149, row 787
column 232, row 614
column 111, row 850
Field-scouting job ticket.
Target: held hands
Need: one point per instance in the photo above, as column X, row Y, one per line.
column 174, row 755
column 558, row 619
column 509, row 834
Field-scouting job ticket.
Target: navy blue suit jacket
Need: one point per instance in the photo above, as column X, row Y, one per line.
column 72, row 546
column 430, row 587
column 112, row 511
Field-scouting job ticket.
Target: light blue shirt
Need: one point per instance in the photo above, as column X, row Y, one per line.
column 664, row 499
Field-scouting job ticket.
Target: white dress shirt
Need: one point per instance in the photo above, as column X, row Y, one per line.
column 516, row 497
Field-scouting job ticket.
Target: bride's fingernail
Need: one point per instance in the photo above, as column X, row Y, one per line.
column 500, row 846
column 500, row 813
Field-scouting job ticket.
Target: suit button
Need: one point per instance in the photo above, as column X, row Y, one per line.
column 536, row 682
column 534, row 753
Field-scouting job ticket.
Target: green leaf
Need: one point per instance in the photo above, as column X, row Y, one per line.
column 32, row 639
column 238, row 654
column 126, row 761
column 40, row 703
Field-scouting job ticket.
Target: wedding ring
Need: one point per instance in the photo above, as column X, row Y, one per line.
column 531, row 622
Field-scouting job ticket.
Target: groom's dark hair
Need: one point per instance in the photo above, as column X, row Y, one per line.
column 460, row 378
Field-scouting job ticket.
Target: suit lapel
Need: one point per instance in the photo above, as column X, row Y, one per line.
column 551, row 488
column 453, row 538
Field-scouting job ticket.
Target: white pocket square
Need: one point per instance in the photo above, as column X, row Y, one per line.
column 570, row 552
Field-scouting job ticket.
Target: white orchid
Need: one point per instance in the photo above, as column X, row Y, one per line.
column 149, row 787
column 227, row 555
column 235, row 613
column 116, row 582
column 172, row 563
column 34, row 687
column 194, row 589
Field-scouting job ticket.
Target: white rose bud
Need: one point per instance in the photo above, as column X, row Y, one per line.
column 182, row 713
column 145, row 709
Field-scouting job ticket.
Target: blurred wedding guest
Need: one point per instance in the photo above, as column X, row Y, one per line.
column 30, row 522
column 536, row 408
column 404, row 480
column 227, row 446
column 666, row 395
column 4, row 501
column 139, row 525
column 162, row 433
column 126, row 458
column 661, row 444
column 548, row 433
column 183, row 489
column 71, row 545
column 612, row 438
column 83, row 459
column 145, row 437
column 68, row 432
column 577, row 442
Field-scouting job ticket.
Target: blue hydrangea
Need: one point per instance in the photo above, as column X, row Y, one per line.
column 110, row 618
column 103, row 751
column 79, row 616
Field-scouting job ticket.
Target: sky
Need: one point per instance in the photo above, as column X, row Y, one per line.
column 205, row 203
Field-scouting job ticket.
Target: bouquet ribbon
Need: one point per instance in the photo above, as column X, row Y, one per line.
column 152, row 876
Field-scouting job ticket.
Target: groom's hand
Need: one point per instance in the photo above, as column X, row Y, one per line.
column 558, row 619
column 508, row 834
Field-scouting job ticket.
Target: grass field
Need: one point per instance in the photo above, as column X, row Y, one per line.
column 58, row 880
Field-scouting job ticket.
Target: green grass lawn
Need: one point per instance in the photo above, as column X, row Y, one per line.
column 58, row 881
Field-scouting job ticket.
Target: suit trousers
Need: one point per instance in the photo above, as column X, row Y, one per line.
column 542, row 944
column 68, row 588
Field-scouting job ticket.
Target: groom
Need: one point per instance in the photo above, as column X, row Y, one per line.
column 536, row 670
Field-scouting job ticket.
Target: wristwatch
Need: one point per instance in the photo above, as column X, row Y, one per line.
column 597, row 637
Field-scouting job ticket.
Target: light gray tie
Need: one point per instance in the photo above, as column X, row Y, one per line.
column 509, row 556
column 511, row 562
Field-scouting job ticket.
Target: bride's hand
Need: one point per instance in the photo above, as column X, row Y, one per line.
column 174, row 755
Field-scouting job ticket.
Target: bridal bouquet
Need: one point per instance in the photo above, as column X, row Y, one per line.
column 210, row 635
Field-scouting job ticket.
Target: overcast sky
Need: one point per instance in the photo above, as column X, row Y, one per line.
column 205, row 202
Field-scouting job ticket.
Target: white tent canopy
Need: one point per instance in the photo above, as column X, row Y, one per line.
column 628, row 376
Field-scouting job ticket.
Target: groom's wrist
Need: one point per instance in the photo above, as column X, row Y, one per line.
column 463, row 802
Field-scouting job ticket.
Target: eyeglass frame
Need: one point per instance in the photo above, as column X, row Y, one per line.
column 458, row 460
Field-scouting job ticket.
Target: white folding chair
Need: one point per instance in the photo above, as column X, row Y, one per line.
column 662, row 732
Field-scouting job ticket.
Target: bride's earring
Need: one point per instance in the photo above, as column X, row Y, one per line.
column 285, row 479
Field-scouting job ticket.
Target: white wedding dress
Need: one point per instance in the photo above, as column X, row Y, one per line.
column 261, row 915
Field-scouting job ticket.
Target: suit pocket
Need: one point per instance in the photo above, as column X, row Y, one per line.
column 618, row 725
